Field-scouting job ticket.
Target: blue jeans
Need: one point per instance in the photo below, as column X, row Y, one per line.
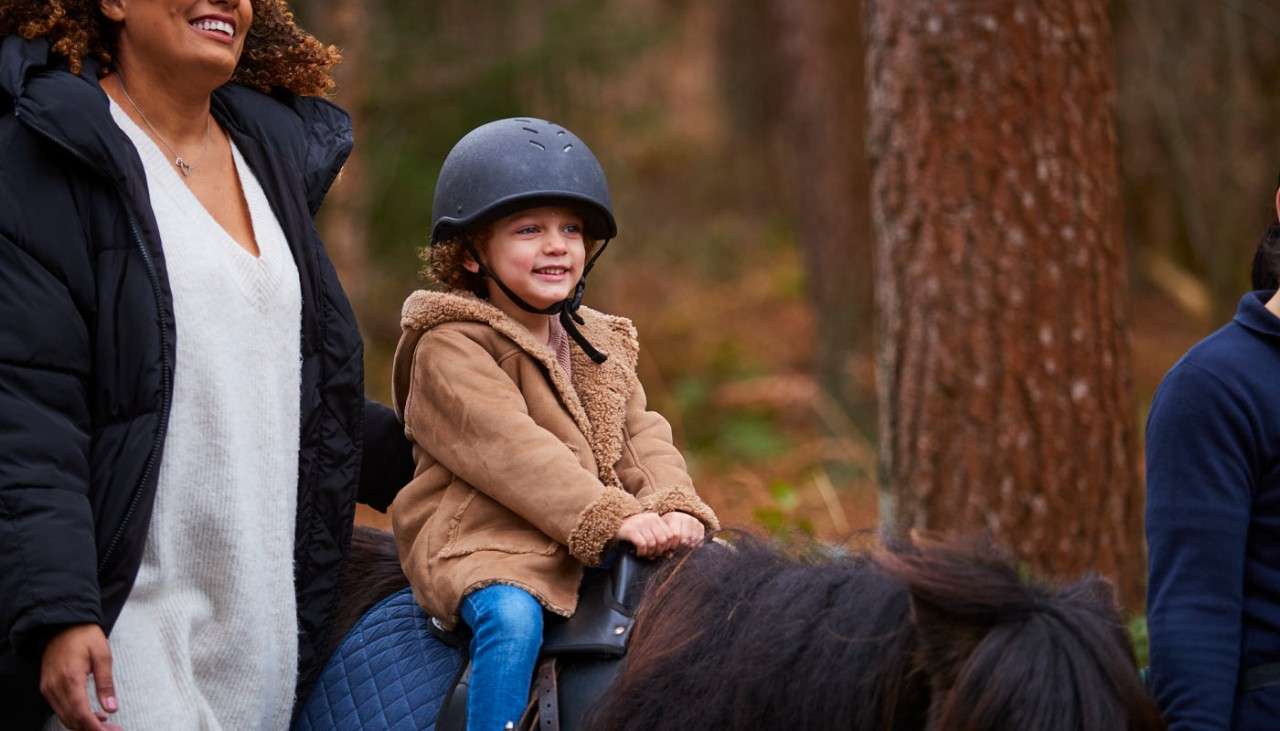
column 506, row 629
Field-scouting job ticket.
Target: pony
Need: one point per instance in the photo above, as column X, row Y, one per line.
column 919, row 634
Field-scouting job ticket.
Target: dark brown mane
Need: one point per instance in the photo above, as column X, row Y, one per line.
column 1004, row 652
column 750, row 637
column 370, row 574
column 926, row 636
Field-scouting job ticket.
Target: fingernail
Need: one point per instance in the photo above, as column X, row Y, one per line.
column 110, row 703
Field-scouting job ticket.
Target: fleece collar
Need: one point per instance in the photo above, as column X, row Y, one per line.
column 595, row 395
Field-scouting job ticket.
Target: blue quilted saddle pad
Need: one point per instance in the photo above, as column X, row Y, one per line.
column 389, row 673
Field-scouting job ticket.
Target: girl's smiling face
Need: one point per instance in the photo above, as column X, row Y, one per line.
column 538, row 253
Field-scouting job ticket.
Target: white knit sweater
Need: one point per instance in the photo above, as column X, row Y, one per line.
column 208, row 636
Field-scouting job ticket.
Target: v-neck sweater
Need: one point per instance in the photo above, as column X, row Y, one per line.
column 208, row 636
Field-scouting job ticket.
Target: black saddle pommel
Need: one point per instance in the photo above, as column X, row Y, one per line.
column 607, row 603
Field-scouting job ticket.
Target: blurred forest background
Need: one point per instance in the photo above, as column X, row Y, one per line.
column 736, row 140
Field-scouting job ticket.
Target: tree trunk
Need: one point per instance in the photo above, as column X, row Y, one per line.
column 1003, row 361
column 823, row 156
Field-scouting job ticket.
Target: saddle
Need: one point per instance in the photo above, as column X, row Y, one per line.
column 389, row 673
column 580, row 655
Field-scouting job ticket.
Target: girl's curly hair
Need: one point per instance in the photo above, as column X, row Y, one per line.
column 277, row 53
column 444, row 261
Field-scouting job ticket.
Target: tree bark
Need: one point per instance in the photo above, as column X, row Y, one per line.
column 1003, row 359
column 823, row 156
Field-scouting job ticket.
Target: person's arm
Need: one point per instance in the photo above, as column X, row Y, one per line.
column 473, row 419
column 386, row 464
column 653, row 469
column 1200, row 467
column 48, row 556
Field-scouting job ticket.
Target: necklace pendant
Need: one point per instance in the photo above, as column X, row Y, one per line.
column 183, row 166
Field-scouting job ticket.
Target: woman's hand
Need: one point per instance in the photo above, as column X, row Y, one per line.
column 649, row 533
column 688, row 530
column 69, row 659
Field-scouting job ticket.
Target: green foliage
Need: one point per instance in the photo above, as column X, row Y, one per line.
column 739, row 434
column 784, row 495
column 780, row 518
column 1141, row 642
column 751, row 437
column 691, row 393
column 731, row 360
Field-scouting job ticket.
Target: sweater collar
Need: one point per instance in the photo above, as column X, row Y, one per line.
column 1254, row 315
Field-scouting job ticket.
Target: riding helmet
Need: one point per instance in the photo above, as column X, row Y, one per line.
column 503, row 166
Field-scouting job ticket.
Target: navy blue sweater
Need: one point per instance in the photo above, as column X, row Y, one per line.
column 1213, row 526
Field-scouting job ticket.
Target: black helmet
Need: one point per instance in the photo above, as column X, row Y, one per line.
column 509, row 164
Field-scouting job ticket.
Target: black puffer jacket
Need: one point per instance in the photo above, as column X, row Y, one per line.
column 87, row 338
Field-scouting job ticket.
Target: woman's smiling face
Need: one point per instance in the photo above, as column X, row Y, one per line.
column 538, row 253
column 199, row 39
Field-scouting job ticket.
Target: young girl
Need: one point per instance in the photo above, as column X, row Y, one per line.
column 533, row 443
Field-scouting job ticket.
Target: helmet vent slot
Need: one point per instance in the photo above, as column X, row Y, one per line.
column 537, row 144
column 567, row 148
column 530, row 129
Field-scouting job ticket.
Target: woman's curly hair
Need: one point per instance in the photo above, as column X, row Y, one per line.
column 277, row 53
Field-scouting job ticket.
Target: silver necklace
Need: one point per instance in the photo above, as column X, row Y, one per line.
column 183, row 166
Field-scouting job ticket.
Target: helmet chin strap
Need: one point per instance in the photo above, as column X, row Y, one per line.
column 567, row 308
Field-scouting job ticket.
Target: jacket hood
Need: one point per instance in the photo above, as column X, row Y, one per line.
column 73, row 111
column 17, row 56
column 70, row 110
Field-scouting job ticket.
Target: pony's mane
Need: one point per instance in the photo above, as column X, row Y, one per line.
column 913, row 636
column 749, row 637
column 370, row 573
column 1006, row 652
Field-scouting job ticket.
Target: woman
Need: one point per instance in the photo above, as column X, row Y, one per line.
column 1213, row 512
column 182, row 419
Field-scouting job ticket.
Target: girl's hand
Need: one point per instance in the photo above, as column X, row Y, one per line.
column 649, row 533
column 69, row 659
column 688, row 530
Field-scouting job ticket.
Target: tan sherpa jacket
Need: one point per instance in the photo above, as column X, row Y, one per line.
column 523, row 473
